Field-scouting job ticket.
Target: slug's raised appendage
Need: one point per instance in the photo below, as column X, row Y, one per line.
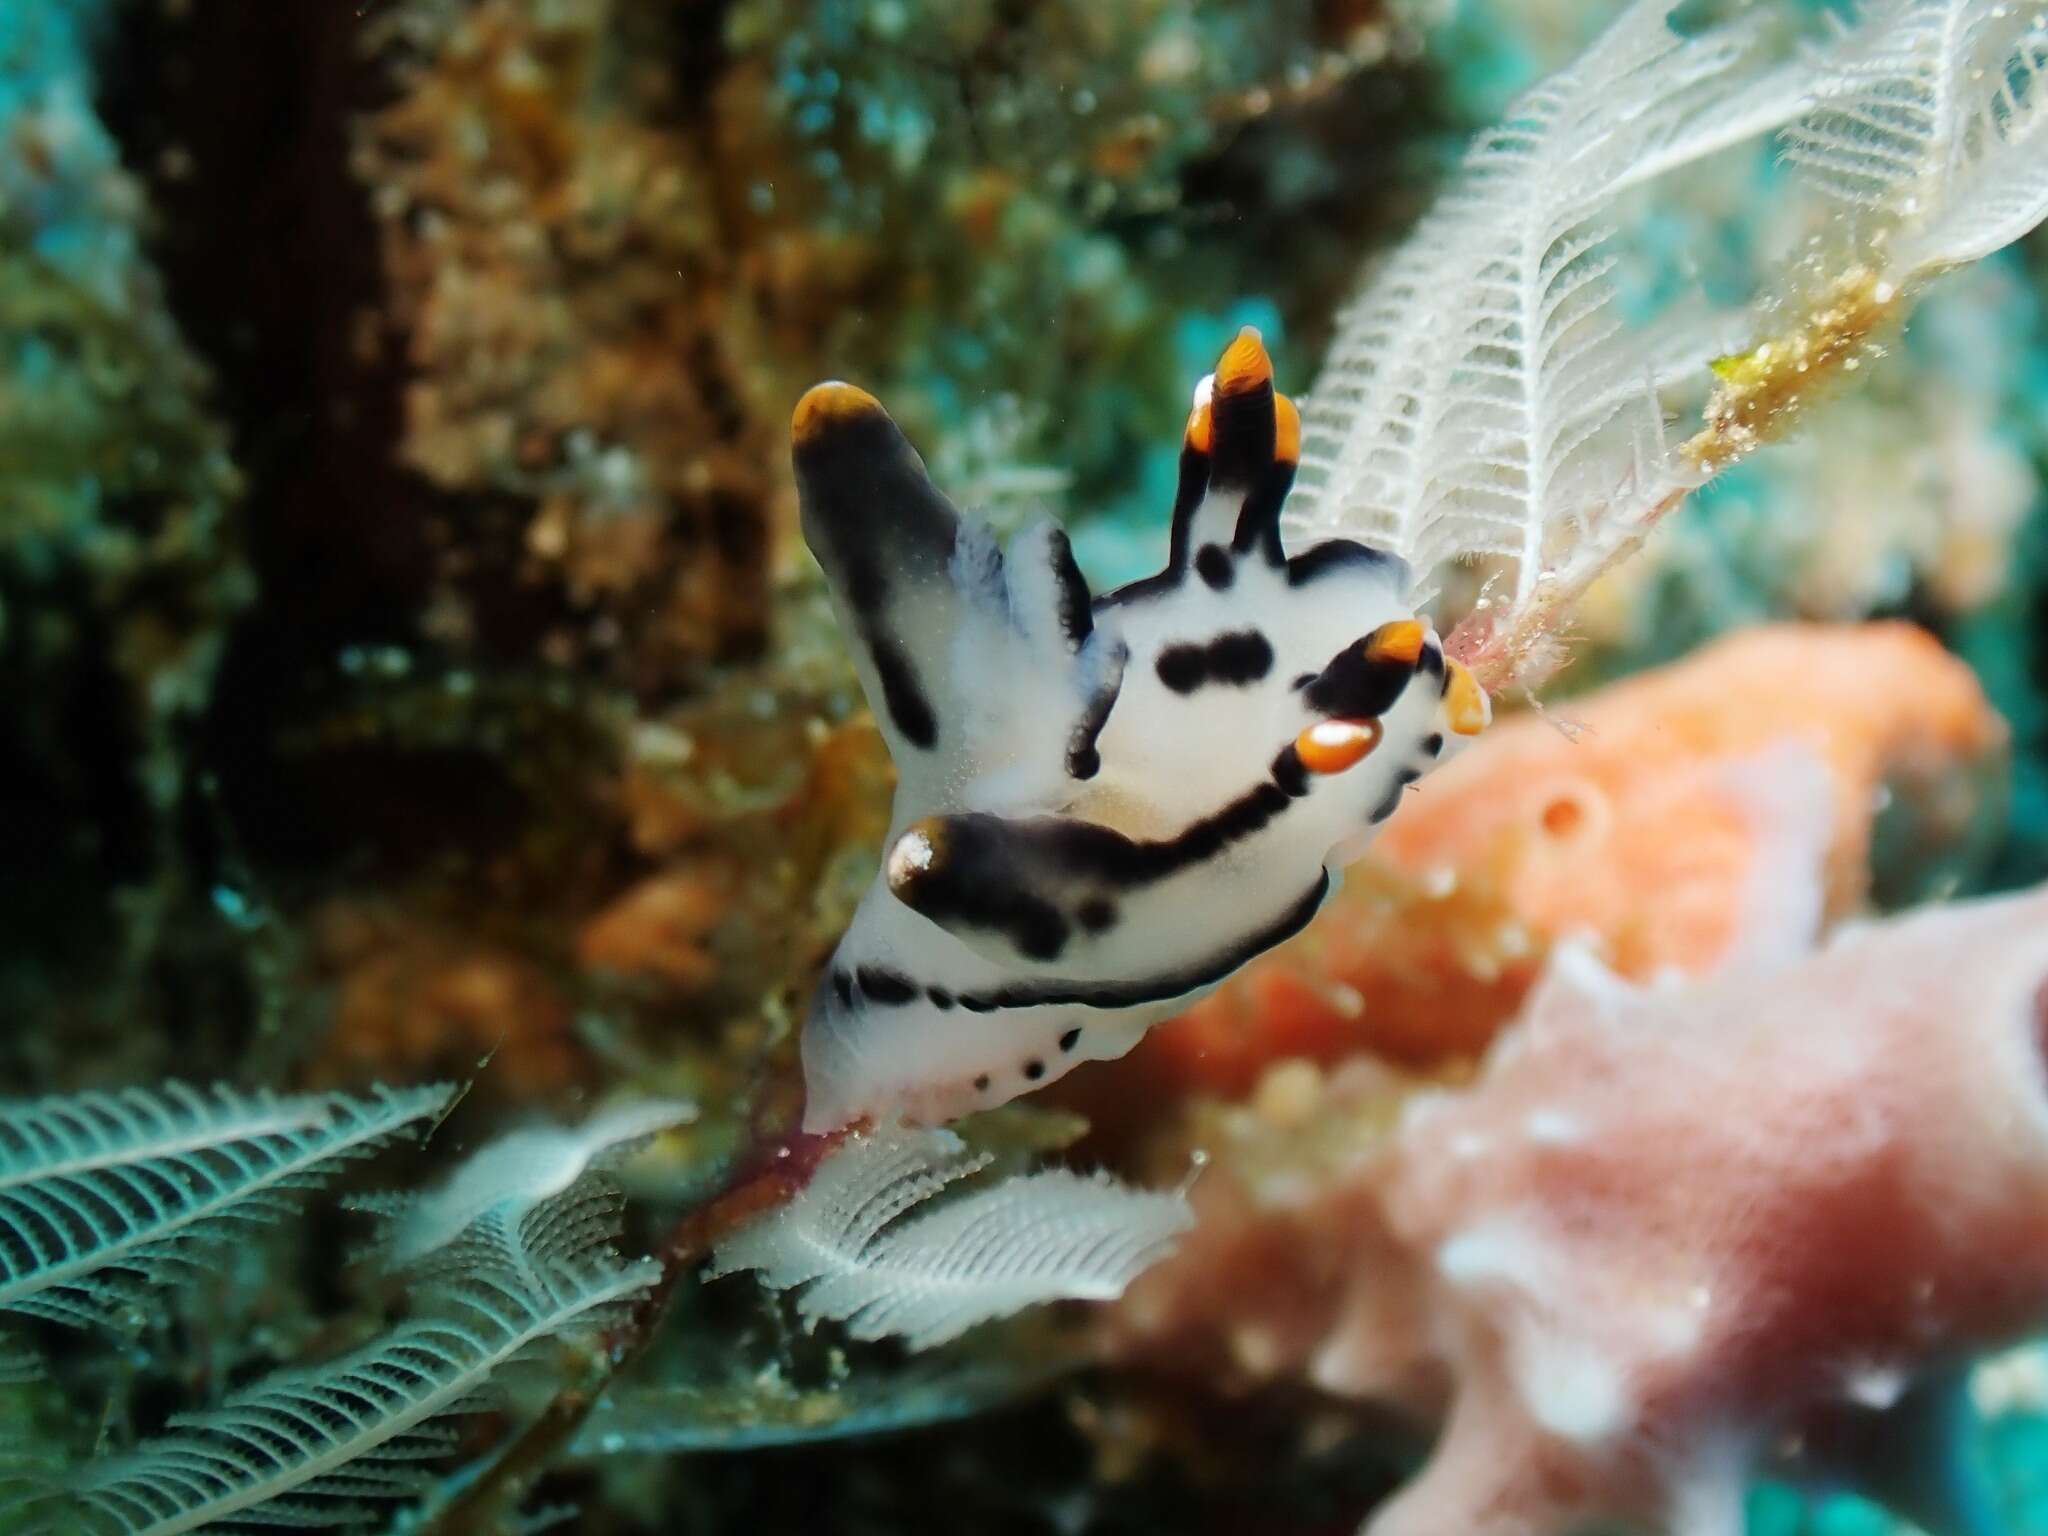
column 1105, row 804
column 885, row 536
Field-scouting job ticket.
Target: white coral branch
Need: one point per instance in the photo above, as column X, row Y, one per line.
column 849, row 1239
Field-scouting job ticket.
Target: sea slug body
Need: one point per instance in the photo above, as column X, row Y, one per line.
column 1105, row 804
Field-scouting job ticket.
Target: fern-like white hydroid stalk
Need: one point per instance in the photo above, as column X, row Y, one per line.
column 1482, row 401
column 103, row 1193
column 1934, row 115
column 1931, row 121
column 1481, row 397
column 532, row 1193
column 849, row 1238
column 323, row 1447
column 1900, row 97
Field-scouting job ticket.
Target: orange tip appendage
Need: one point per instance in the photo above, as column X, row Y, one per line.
column 1331, row 746
column 1244, row 365
column 1467, row 709
column 1399, row 641
column 826, row 403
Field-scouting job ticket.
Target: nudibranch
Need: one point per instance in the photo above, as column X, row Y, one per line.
column 1105, row 805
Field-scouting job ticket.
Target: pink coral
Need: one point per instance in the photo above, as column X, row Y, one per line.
column 1663, row 1229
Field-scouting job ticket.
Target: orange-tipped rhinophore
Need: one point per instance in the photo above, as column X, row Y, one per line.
column 825, row 403
column 1244, row 365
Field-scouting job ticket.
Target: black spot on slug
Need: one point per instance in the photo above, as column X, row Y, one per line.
column 885, row 986
column 1214, row 567
column 1097, row 914
column 1258, row 517
column 1240, row 658
column 1182, row 667
column 1034, row 1069
column 1233, row 660
column 1071, row 1038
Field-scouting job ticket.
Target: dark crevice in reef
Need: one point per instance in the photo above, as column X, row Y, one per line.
column 239, row 114
column 236, row 114
column 70, row 757
column 694, row 46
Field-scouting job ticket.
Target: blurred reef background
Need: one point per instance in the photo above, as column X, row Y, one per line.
column 412, row 671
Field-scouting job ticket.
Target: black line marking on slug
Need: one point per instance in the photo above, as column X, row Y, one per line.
column 1212, row 564
column 902, row 694
column 1018, row 876
column 1204, row 839
column 1102, row 856
column 1159, row 584
column 1188, row 494
column 1334, row 555
column 1234, row 659
column 1289, row 773
column 1258, row 518
column 1242, row 430
column 940, row 998
column 1071, row 1038
column 880, row 530
column 1077, row 613
column 1302, row 680
column 1084, row 758
column 842, row 988
column 1159, row 988
column 885, row 986
column 1432, row 662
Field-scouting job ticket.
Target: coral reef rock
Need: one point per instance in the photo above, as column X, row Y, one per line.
column 119, row 565
column 558, row 275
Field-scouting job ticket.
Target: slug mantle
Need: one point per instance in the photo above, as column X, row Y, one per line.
column 1105, row 804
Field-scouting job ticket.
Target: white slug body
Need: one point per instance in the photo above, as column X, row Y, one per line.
column 1105, row 804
